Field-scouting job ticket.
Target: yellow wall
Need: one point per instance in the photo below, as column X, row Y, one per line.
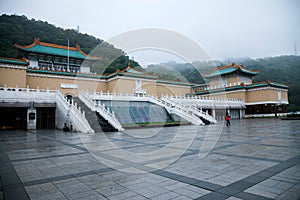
column 172, row 90
column 284, row 95
column 215, row 83
column 231, row 95
column 121, row 85
column 265, row 95
column 237, row 80
column 150, row 87
column 54, row 83
column 11, row 77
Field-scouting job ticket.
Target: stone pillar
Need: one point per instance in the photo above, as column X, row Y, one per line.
column 242, row 113
column 213, row 112
column 31, row 117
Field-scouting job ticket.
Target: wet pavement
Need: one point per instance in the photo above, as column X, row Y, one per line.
column 252, row 159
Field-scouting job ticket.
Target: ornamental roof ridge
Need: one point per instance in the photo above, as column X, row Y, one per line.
column 46, row 44
column 38, row 42
column 226, row 69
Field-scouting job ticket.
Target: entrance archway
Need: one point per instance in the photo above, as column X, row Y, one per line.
column 69, row 97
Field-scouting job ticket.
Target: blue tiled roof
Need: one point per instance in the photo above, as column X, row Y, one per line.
column 228, row 70
column 13, row 61
column 57, row 50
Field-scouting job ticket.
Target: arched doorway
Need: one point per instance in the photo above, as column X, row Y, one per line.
column 69, row 98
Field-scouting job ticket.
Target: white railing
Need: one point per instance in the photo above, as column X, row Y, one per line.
column 176, row 109
column 191, row 108
column 73, row 114
column 117, row 96
column 105, row 113
column 26, row 95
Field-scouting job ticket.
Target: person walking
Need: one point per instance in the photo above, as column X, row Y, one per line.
column 227, row 119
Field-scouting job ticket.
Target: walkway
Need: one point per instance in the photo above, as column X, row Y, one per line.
column 252, row 159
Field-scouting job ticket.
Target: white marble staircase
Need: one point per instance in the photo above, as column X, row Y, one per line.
column 191, row 109
column 106, row 114
column 178, row 109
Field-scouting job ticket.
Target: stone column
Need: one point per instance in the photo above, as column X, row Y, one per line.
column 31, row 117
column 213, row 112
column 242, row 113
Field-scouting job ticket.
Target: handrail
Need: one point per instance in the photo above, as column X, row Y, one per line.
column 110, row 117
column 77, row 117
column 191, row 109
column 176, row 109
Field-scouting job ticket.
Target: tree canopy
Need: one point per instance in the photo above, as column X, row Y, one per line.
column 21, row 30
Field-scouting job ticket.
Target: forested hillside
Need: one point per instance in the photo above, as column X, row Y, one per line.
column 21, row 30
column 281, row 69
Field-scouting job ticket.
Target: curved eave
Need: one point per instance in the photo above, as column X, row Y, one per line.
column 229, row 71
column 13, row 62
column 64, row 52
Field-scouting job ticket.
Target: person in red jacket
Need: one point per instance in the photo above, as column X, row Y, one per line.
column 227, row 119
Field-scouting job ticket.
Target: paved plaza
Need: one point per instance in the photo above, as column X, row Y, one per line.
column 252, row 159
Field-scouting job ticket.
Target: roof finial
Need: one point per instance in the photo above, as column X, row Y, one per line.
column 37, row 40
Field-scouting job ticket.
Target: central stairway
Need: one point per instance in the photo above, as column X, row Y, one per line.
column 96, row 121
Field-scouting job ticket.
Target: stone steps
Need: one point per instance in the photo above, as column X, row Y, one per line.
column 96, row 121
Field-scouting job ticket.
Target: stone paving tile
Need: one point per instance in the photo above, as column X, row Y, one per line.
column 165, row 196
column 233, row 198
column 249, row 161
column 124, row 195
column 90, row 194
column 58, row 196
column 277, row 186
column 41, row 190
column 111, row 190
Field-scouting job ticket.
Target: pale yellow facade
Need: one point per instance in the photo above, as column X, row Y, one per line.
column 266, row 95
column 71, row 85
column 238, row 80
column 13, row 76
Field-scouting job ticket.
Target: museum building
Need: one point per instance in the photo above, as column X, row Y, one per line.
column 49, row 86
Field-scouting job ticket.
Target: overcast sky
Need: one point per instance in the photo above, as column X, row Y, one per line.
column 224, row 28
